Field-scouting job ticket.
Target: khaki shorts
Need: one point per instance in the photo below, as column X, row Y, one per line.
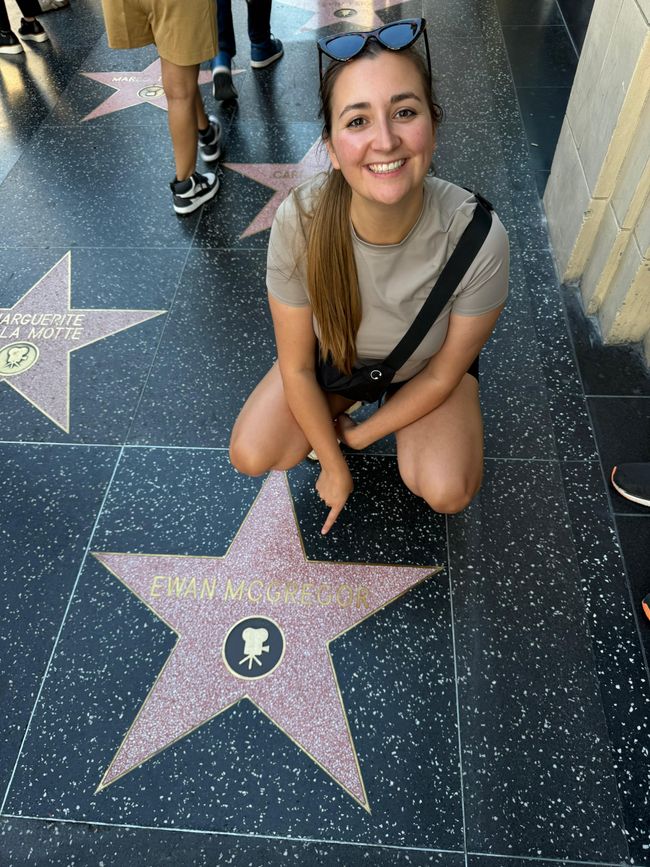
column 183, row 31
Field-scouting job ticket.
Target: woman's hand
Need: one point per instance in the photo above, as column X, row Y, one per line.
column 334, row 487
column 345, row 427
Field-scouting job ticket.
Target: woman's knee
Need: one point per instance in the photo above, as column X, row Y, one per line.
column 445, row 495
column 450, row 499
column 253, row 459
column 247, row 460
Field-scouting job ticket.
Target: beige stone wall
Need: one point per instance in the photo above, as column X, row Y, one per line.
column 598, row 196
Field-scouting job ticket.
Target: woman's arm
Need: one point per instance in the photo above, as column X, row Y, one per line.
column 296, row 345
column 466, row 336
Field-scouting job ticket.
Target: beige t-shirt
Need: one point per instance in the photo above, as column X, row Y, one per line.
column 395, row 279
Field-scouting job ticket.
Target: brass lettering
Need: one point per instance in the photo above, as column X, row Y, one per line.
column 257, row 598
column 341, row 601
column 157, row 579
column 362, row 597
column 207, row 588
column 305, row 598
column 290, row 592
column 324, row 590
column 175, row 586
column 277, row 593
column 233, row 594
column 190, row 590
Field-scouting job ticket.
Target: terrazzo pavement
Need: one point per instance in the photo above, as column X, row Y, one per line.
column 499, row 711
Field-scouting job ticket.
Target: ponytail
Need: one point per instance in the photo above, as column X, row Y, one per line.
column 332, row 274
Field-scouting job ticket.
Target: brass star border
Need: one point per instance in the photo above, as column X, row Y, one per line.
column 201, row 599
column 40, row 331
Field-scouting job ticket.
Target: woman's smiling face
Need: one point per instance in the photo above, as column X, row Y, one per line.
column 382, row 133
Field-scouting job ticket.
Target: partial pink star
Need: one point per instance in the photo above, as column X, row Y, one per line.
column 281, row 177
column 134, row 88
column 264, row 574
column 360, row 13
column 40, row 331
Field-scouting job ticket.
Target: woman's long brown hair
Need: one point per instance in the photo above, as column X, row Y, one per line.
column 332, row 279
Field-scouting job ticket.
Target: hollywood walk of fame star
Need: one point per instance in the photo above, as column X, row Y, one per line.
column 135, row 88
column 256, row 624
column 361, row 13
column 40, row 331
column 281, row 177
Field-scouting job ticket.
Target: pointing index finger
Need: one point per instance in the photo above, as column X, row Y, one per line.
column 331, row 518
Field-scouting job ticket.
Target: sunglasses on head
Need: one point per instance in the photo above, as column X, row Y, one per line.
column 395, row 37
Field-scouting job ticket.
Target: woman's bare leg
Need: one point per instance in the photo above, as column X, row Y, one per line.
column 266, row 435
column 440, row 456
column 181, row 89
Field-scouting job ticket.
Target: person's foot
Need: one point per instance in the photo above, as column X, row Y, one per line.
column 9, row 43
column 632, row 481
column 31, row 31
column 191, row 194
column 52, row 5
column 265, row 53
column 210, row 141
column 222, row 86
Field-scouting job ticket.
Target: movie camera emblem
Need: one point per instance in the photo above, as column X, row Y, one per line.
column 253, row 648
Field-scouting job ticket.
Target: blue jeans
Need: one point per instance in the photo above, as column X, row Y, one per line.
column 259, row 24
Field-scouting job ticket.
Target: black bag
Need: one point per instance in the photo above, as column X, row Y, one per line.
column 370, row 381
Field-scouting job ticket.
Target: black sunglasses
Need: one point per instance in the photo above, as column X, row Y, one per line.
column 396, row 37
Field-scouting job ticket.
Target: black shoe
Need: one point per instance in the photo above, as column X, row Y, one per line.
column 31, row 31
column 265, row 53
column 9, row 43
column 210, row 141
column 222, row 87
column 632, row 481
column 190, row 194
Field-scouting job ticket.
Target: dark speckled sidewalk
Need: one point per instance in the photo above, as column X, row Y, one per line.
column 493, row 714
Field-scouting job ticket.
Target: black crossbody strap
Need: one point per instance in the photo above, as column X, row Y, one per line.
column 468, row 246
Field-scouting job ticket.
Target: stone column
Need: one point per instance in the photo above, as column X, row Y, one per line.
column 598, row 195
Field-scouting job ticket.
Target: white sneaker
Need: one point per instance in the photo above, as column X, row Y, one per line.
column 52, row 5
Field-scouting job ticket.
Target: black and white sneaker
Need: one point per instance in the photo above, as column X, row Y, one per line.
column 210, row 141
column 9, row 43
column 31, row 31
column 191, row 194
column 632, row 481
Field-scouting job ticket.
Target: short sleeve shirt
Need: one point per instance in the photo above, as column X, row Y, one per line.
column 396, row 279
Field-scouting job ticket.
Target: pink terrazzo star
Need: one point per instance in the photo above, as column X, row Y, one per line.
column 40, row 331
column 135, row 88
column 281, row 177
column 361, row 13
column 278, row 657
